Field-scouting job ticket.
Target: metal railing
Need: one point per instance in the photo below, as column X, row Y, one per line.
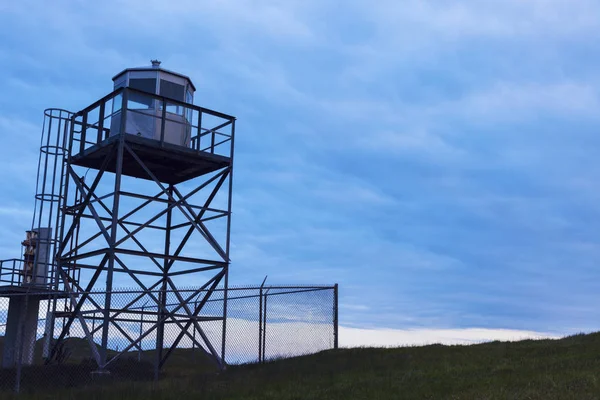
column 206, row 131
column 12, row 273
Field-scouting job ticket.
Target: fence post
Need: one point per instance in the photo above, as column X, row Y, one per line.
column 264, row 328
column 194, row 328
column 141, row 330
column 260, row 319
column 335, row 316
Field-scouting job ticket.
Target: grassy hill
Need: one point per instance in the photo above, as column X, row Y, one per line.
column 549, row 369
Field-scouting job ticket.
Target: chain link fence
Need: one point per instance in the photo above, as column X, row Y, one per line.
column 47, row 343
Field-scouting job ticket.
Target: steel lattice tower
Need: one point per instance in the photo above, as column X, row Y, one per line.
column 148, row 186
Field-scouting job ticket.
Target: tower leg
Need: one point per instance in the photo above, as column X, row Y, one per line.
column 21, row 330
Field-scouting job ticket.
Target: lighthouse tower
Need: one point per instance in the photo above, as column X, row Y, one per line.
column 147, row 206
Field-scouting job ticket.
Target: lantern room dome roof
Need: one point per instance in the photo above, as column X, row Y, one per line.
column 155, row 67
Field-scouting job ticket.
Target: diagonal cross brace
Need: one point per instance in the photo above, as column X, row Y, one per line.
column 177, row 203
column 150, row 294
column 217, row 277
column 122, row 225
column 75, row 221
column 89, row 194
column 84, row 296
column 123, row 218
column 170, row 207
column 200, row 215
column 195, row 322
column 207, row 235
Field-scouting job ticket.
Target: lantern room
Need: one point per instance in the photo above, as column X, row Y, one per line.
column 156, row 105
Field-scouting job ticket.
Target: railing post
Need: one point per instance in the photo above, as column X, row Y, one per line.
column 212, row 142
column 162, row 122
column 199, row 130
column 124, row 102
column 71, row 135
column 100, row 123
column 335, row 317
column 83, row 133
column 20, row 275
column 12, row 272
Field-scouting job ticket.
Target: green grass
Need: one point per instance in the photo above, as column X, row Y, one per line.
column 547, row 369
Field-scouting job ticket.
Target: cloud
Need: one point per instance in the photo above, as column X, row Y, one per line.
column 506, row 101
column 360, row 307
column 419, row 142
column 228, row 17
column 17, row 212
column 489, row 18
column 353, row 337
column 436, row 156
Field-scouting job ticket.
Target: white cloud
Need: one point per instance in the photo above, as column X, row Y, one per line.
column 17, row 212
column 452, row 20
column 355, row 337
column 368, row 81
column 355, row 307
column 351, row 194
column 507, row 101
column 230, row 17
column 419, row 142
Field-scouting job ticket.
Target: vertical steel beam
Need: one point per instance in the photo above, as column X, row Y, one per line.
column 160, row 333
column 113, row 233
column 228, row 245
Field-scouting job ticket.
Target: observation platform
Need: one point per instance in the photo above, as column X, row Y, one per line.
column 175, row 140
column 171, row 164
column 31, row 290
column 12, row 282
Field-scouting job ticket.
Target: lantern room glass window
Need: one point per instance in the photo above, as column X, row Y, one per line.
column 138, row 100
column 171, row 90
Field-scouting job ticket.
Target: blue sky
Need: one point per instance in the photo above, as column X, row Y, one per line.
column 437, row 159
